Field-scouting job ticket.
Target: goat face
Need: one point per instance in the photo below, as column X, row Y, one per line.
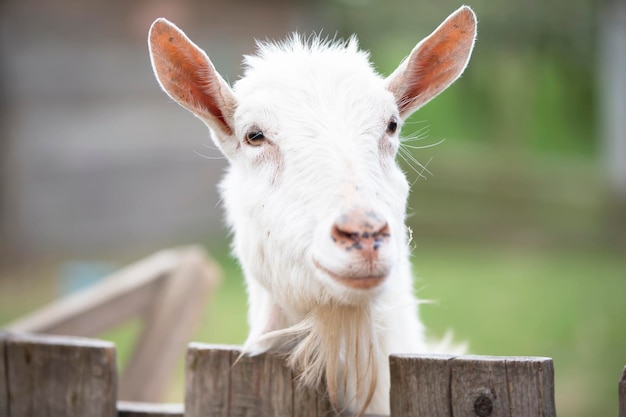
column 313, row 193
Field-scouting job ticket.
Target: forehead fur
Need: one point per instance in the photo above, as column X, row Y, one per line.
column 326, row 76
column 314, row 50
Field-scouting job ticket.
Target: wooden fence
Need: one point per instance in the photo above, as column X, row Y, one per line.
column 168, row 291
column 56, row 376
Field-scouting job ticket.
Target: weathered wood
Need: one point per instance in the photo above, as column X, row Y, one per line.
column 246, row 390
column 137, row 409
column 420, row 387
column 470, row 386
column 4, row 387
column 221, row 383
column 168, row 325
column 311, row 402
column 170, row 289
column 60, row 377
column 622, row 394
column 276, row 386
column 531, row 386
column 478, row 387
column 207, row 380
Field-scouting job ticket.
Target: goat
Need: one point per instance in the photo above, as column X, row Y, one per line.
column 314, row 196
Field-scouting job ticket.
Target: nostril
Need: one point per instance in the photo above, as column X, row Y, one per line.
column 341, row 236
column 360, row 230
column 383, row 232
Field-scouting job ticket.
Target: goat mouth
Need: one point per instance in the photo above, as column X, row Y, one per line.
column 360, row 282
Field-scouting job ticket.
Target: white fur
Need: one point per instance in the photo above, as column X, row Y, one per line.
column 324, row 113
column 327, row 111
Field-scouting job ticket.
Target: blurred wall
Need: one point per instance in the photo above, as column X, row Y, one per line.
column 95, row 156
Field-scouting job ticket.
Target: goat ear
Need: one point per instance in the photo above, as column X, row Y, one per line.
column 187, row 75
column 435, row 63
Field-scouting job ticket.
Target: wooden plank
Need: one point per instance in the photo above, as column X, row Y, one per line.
column 470, row 386
column 168, row 325
column 4, row 383
column 310, row 402
column 138, row 409
column 276, row 387
column 530, row 383
column 246, row 378
column 207, row 379
column 220, row 383
column 56, row 376
column 420, row 385
column 101, row 306
column 261, row 386
column 622, row 394
column 478, row 387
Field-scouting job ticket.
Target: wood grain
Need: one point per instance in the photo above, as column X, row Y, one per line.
column 311, row 402
column 221, row 383
column 420, row 387
column 56, row 376
column 479, row 383
column 470, row 386
column 207, row 380
column 531, row 386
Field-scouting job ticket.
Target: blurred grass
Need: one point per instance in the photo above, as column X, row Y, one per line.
column 565, row 304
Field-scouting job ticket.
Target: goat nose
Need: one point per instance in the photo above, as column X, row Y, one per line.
column 361, row 230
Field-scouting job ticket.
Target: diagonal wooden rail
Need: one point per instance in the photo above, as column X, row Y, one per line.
column 168, row 291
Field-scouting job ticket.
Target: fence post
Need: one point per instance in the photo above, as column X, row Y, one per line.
column 60, row 376
column 471, row 386
column 169, row 289
column 622, row 394
column 220, row 384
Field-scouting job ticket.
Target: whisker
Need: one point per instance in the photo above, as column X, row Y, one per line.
column 421, row 173
column 423, row 146
column 214, row 157
column 416, row 135
column 415, row 161
column 404, row 155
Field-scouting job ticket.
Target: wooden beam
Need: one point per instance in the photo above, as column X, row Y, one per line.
column 470, row 386
column 60, row 376
column 169, row 323
column 169, row 290
column 95, row 309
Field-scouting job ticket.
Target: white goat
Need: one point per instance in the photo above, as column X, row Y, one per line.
column 314, row 196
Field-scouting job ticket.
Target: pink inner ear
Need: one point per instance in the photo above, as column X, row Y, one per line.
column 439, row 60
column 185, row 72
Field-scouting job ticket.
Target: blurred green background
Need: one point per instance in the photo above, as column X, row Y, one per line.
column 519, row 224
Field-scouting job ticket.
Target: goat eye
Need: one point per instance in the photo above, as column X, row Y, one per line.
column 392, row 126
column 255, row 137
